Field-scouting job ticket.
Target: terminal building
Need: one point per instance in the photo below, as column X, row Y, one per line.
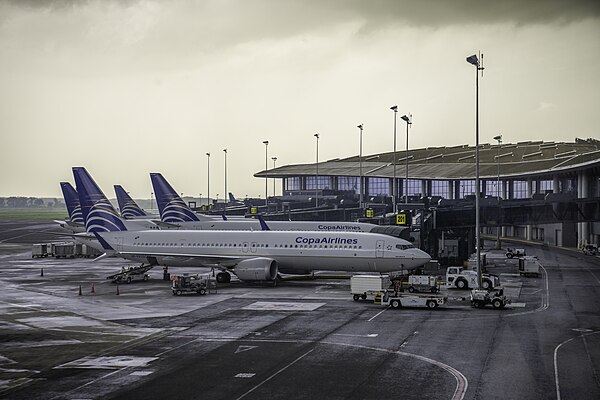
column 557, row 183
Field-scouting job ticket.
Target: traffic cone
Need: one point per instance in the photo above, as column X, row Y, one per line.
column 117, row 289
column 80, row 290
column 93, row 289
column 41, row 271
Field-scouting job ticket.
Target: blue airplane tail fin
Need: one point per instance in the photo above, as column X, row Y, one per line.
column 171, row 207
column 232, row 198
column 72, row 202
column 128, row 206
column 98, row 213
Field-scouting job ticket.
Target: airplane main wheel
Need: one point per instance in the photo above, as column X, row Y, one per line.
column 223, row 277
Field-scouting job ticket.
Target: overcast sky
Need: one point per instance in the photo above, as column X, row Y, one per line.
column 126, row 88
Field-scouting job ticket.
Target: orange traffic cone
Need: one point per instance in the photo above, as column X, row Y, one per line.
column 93, row 289
column 117, row 289
column 80, row 290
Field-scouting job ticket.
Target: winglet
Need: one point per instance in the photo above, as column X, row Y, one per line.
column 263, row 224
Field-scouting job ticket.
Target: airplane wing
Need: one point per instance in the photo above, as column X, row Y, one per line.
column 198, row 259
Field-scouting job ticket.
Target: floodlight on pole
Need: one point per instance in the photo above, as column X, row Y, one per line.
column 408, row 120
column 274, row 159
column 317, row 177
column 266, row 143
column 394, row 190
column 498, row 243
column 208, row 178
column 360, row 166
column 474, row 60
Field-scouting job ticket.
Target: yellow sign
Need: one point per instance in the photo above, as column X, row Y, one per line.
column 253, row 210
column 400, row 219
column 369, row 213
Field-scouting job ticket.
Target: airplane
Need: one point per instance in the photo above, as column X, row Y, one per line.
column 98, row 211
column 128, row 207
column 76, row 223
column 259, row 255
column 174, row 211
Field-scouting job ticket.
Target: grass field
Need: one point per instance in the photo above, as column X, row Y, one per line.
column 32, row 214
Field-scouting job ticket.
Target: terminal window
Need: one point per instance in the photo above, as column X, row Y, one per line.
column 293, row 183
column 491, row 188
column 545, row 186
column 519, row 190
column 313, row 183
column 378, row 186
column 348, row 183
column 414, row 186
column 439, row 188
column 467, row 188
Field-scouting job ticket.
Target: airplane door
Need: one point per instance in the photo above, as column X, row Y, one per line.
column 245, row 247
column 379, row 249
column 253, row 247
column 119, row 244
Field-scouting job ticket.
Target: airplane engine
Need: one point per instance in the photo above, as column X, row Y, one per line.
column 256, row 269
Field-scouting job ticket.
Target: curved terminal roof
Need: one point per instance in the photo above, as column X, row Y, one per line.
column 458, row 162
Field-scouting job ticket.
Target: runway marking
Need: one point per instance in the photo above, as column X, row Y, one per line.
column 108, row 362
column 556, row 360
column 276, row 373
column 461, row 381
column 594, row 275
column 245, row 375
column 242, row 349
column 282, row 306
column 370, row 335
column 376, row 315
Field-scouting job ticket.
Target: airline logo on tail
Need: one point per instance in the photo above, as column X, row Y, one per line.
column 129, row 208
column 172, row 208
column 99, row 214
column 72, row 202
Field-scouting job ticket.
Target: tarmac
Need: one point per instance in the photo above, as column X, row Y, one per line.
column 303, row 339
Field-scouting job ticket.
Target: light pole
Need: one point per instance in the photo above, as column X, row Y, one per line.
column 317, row 177
column 473, row 60
column 208, row 179
column 226, row 198
column 360, row 166
column 394, row 192
column 266, row 143
column 498, row 244
column 274, row 159
column 408, row 120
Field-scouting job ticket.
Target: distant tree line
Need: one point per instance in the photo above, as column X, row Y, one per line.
column 29, row 202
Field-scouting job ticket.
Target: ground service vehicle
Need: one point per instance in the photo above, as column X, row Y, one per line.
column 479, row 298
column 362, row 286
column 398, row 300
column 422, row 283
column 189, row 284
column 529, row 265
column 589, row 249
column 39, row 250
column 510, row 253
column 129, row 274
column 465, row 279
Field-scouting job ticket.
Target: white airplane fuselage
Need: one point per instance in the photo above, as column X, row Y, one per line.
column 293, row 251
